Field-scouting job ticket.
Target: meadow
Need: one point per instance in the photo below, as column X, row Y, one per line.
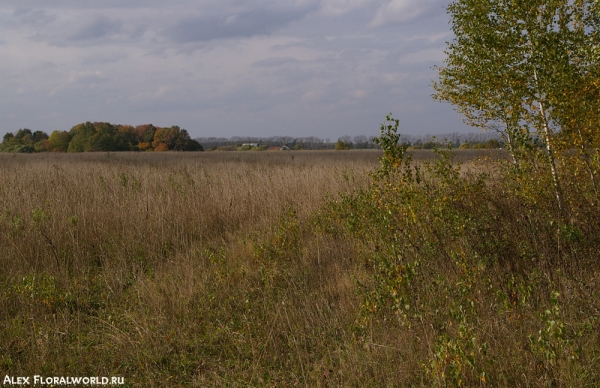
column 142, row 265
column 302, row 268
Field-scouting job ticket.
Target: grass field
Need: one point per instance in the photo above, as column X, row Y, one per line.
column 142, row 265
column 257, row 269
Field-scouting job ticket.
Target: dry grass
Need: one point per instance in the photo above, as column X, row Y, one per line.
column 145, row 266
column 212, row 269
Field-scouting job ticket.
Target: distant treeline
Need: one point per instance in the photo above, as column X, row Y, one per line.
column 455, row 139
column 106, row 137
column 237, row 142
column 99, row 136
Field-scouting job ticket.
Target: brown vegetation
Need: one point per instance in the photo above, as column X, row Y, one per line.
column 260, row 269
column 146, row 266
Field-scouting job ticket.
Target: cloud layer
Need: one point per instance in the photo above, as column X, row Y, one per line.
column 224, row 68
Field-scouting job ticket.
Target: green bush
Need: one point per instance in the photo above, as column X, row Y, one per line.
column 459, row 260
column 341, row 145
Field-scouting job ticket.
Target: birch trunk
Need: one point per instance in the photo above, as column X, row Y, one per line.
column 549, row 148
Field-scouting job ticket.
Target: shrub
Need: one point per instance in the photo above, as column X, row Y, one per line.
column 461, row 259
column 340, row 146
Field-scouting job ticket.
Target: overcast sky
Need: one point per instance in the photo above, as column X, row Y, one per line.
column 300, row 68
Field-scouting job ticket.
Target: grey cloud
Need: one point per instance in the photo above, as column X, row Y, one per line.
column 21, row 11
column 78, row 4
column 274, row 62
column 36, row 18
column 341, row 7
column 24, row 18
column 102, row 58
column 98, row 28
column 137, row 31
column 42, row 66
column 244, row 24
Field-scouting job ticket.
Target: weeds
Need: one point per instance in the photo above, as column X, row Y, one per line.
column 463, row 263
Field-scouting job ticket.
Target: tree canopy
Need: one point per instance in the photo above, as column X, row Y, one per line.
column 101, row 136
column 517, row 64
column 526, row 66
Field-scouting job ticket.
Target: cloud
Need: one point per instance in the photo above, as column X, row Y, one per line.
column 422, row 56
column 36, row 18
column 275, row 62
column 101, row 58
column 42, row 66
column 325, row 67
column 401, row 11
column 86, row 77
column 340, row 7
column 244, row 24
column 100, row 27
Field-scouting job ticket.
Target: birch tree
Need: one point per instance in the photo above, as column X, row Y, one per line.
column 515, row 65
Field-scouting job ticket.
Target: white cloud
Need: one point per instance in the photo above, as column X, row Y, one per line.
column 422, row 56
column 86, row 77
column 399, row 11
column 340, row 7
column 99, row 27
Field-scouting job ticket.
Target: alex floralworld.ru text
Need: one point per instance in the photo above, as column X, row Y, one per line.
column 69, row 380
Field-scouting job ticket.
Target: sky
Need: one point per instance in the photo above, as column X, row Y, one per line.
column 300, row 68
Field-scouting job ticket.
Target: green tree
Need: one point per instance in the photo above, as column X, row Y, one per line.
column 24, row 141
column 429, row 145
column 185, row 143
column 59, row 141
column 108, row 138
column 129, row 134
column 8, row 141
column 515, row 65
column 342, row 145
column 39, row 136
column 81, row 137
column 24, row 135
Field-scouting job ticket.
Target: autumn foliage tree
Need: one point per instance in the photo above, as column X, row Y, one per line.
column 102, row 136
column 144, row 134
column 526, row 67
column 174, row 138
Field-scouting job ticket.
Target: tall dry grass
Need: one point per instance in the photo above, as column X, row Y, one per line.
column 149, row 266
column 275, row 269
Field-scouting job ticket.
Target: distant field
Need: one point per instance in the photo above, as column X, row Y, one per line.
column 131, row 187
column 268, row 157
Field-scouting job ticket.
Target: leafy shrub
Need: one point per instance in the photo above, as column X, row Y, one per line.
column 341, row 145
column 461, row 259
